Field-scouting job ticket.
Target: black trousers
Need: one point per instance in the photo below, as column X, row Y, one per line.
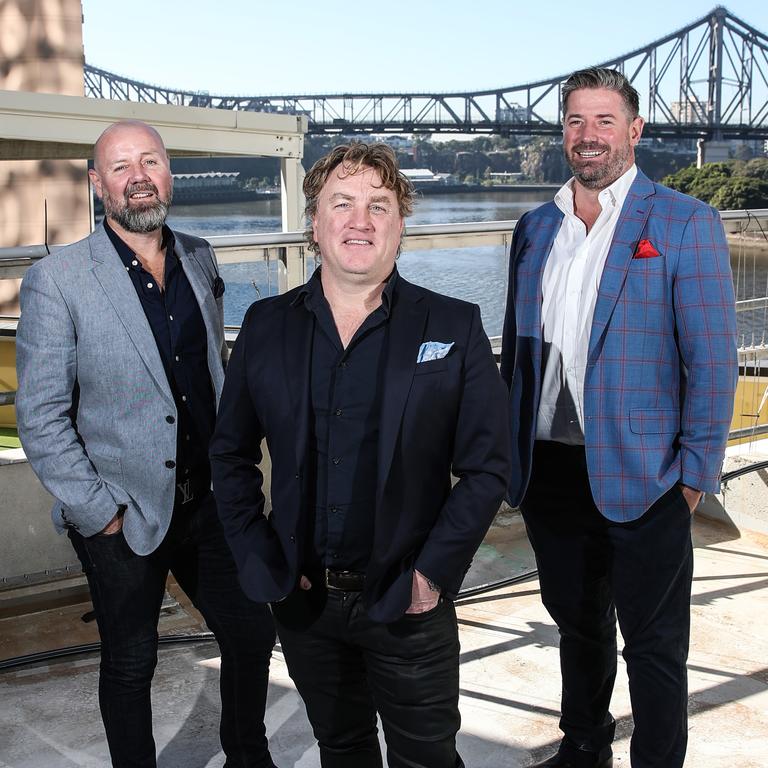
column 127, row 592
column 592, row 570
column 347, row 667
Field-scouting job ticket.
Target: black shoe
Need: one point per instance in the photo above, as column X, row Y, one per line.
column 578, row 759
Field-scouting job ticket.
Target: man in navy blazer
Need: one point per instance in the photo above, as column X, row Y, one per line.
column 371, row 392
column 120, row 353
column 619, row 351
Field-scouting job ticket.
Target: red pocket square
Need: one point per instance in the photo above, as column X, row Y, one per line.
column 645, row 250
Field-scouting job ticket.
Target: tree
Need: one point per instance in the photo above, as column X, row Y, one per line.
column 743, row 152
column 757, row 168
column 740, row 192
column 682, row 180
column 729, row 185
column 543, row 161
column 705, row 188
column 704, row 183
column 657, row 162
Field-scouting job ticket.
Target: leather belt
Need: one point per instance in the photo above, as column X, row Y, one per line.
column 345, row 581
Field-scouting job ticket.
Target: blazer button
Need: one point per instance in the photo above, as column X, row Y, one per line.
column 293, row 539
column 170, row 419
column 170, row 464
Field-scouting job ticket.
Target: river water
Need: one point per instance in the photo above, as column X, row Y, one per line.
column 474, row 274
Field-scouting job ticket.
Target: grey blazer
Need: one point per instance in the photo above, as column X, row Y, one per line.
column 93, row 401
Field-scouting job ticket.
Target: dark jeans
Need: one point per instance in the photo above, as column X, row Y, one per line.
column 127, row 592
column 346, row 667
column 592, row 570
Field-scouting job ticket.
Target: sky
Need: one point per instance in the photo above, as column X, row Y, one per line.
column 293, row 47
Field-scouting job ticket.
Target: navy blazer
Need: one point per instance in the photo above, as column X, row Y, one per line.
column 441, row 417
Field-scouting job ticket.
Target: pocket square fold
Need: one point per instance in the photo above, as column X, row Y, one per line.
column 645, row 250
column 433, row 350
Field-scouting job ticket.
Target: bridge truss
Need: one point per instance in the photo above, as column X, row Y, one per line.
column 706, row 80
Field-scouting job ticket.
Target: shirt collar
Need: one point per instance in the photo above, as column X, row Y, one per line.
column 128, row 255
column 311, row 293
column 612, row 196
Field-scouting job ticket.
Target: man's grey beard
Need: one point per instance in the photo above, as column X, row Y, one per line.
column 138, row 220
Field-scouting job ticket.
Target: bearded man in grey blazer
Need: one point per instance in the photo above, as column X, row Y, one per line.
column 120, row 351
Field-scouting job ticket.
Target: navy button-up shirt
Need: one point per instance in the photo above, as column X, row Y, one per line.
column 346, row 393
column 177, row 325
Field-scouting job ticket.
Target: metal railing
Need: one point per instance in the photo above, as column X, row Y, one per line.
column 288, row 251
column 265, row 246
column 253, row 247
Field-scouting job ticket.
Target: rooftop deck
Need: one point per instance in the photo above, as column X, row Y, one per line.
column 509, row 671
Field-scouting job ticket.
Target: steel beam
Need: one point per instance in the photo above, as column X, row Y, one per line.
column 696, row 82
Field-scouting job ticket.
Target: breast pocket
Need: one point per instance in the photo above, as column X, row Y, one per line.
column 432, row 366
column 434, row 395
column 647, row 281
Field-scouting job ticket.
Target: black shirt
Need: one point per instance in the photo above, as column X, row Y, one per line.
column 177, row 325
column 345, row 390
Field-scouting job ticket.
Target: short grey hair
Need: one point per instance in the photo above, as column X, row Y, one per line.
column 603, row 77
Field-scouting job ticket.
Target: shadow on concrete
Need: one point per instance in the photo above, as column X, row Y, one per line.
column 50, row 711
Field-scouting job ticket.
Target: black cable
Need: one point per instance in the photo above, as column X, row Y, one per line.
column 464, row 594
column 751, row 216
column 758, row 465
column 76, row 650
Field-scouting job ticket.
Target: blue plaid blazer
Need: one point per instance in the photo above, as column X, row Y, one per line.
column 662, row 366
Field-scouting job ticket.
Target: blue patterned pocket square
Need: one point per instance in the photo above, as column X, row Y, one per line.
column 433, row 350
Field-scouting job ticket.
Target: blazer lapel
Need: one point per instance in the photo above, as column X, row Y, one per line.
column 406, row 332
column 110, row 272
column 529, row 271
column 539, row 235
column 201, row 287
column 632, row 221
column 297, row 356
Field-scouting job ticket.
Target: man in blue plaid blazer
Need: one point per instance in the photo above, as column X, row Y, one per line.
column 619, row 351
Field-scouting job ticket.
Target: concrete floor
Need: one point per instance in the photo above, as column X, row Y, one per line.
column 509, row 674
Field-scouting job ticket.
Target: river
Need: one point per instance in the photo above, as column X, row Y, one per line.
column 475, row 274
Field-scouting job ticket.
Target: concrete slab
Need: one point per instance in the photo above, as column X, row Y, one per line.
column 509, row 678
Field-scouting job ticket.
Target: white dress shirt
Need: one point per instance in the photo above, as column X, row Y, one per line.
column 569, row 293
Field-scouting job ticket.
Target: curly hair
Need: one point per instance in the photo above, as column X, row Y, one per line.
column 603, row 77
column 354, row 157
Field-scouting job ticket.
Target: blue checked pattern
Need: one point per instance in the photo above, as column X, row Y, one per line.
column 662, row 366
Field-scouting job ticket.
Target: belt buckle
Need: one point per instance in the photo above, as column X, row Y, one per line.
column 185, row 491
column 346, row 581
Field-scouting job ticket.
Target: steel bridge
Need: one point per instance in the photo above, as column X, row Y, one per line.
column 707, row 80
